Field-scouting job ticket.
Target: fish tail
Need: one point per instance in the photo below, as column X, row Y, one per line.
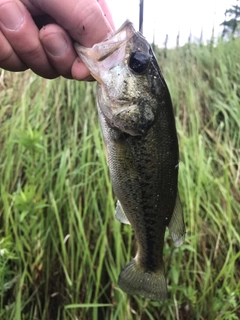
column 136, row 280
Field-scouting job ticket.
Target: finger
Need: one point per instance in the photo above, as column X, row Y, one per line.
column 59, row 48
column 8, row 58
column 107, row 13
column 22, row 34
column 32, row 8
column 84, row 20
column 80, row 71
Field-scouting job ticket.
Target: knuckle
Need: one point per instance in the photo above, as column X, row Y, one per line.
column 32, row 54
column 33, row 6
column 30, row 51
column 5, row 55
column 11, row 62
column 87, row 18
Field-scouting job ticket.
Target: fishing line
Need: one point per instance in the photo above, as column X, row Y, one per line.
column 141, row 16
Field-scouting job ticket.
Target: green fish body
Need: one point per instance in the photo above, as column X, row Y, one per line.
column 138, row 126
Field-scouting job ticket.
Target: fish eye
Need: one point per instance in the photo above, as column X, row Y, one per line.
column 138, row 62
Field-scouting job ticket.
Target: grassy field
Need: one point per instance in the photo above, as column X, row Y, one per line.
column 61, row 249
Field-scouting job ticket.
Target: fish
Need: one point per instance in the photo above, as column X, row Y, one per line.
column 140, row 138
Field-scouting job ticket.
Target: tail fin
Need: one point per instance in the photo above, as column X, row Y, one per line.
column 135, row 280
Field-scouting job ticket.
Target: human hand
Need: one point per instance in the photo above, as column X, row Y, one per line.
column 49, row 52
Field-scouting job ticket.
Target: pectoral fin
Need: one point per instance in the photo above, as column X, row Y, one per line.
column 120, row 214
column 176, row 225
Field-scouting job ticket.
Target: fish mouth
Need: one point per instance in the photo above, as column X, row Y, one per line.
column 102, row 50
column 105, row 55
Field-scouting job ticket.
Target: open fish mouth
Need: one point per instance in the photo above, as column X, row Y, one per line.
column 106, row 54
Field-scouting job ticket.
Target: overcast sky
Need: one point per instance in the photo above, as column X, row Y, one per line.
column 173, row 16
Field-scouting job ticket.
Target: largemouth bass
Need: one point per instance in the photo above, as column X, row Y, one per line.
column 138, row 126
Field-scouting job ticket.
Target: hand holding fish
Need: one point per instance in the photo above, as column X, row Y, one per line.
column 39, row 34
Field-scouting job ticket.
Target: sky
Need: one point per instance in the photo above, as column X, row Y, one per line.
column 173, row 16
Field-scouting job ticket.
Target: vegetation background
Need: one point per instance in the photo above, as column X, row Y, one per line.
column 61, row 249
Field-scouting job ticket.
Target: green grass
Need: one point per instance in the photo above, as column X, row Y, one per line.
column 61, row 249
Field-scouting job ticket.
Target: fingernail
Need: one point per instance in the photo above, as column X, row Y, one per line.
column 55, row 44
column 11, row 16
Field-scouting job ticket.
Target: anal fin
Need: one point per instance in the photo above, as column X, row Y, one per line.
column 120, row 214
column 176, row 225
